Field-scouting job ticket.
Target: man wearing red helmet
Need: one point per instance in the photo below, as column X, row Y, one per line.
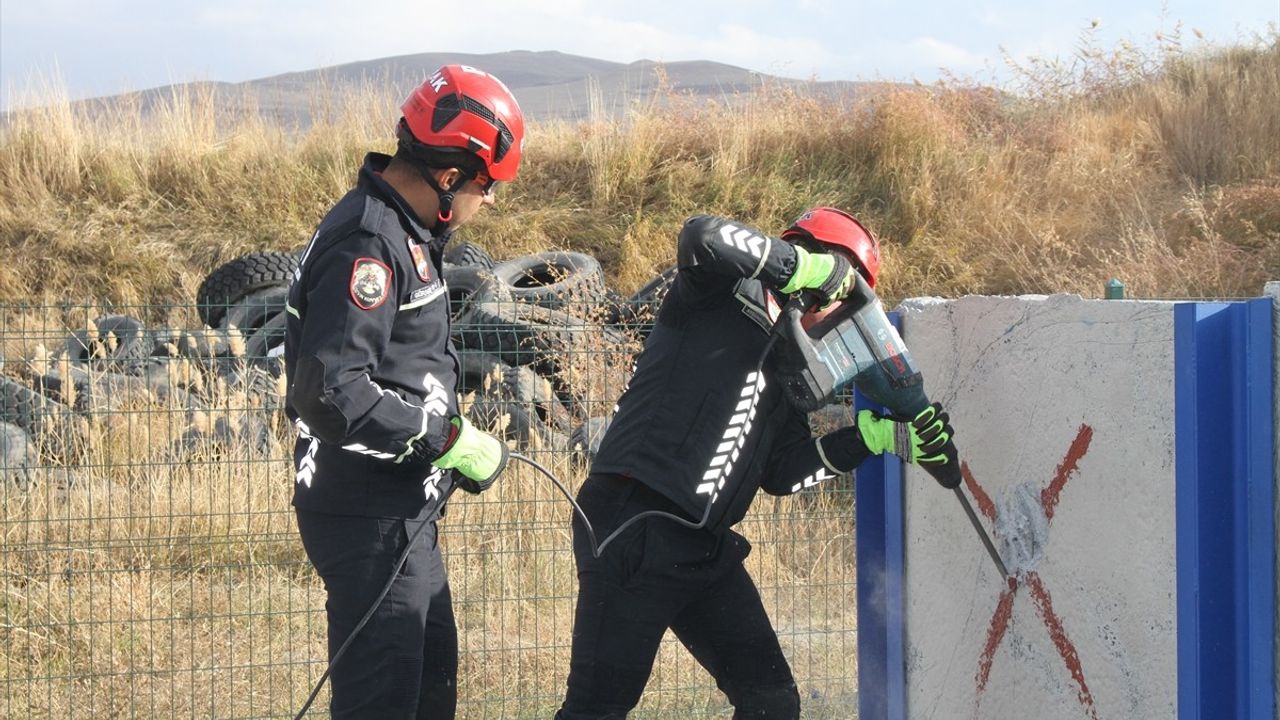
column 700, row 428
column 372, row 391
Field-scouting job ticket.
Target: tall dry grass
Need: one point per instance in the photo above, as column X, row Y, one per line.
column 1159, row 166
column 150, row 567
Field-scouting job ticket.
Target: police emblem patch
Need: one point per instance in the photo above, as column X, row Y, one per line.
column 370, row 279
column 420, row 262
column 771, row 306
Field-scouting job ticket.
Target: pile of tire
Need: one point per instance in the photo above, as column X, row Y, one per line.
column 545, row 348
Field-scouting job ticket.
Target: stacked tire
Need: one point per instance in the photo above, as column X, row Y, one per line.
column 247, row 296
column 545, row 348
column 535, row 321
column 238, row 280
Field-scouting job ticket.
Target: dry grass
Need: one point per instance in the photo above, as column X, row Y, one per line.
column 149, row 574
column 178, row 592
column 1119, row 163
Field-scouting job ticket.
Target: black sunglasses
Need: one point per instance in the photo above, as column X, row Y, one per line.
column 488, row 185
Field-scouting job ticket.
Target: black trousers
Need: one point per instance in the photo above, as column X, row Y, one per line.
column 404, row 663
column 659, row 575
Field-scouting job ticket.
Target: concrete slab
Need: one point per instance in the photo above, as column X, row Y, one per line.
column 1064, row 417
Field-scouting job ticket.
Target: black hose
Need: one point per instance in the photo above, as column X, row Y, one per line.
column 395, row 572
column 596, row 549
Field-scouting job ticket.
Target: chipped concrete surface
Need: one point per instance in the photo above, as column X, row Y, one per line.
column 1021, row 528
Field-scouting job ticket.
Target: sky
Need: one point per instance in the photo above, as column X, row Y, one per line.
column 101, row 47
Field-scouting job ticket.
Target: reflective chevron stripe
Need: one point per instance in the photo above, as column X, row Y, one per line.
column 757, row 246
column 436, row 402
column 431, row 484
column 734, row 437
column 823, row 473
column 306, row 465
column 364, row 450
column 812, row 480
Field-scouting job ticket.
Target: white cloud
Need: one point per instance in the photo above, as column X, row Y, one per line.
column 623, row 40
column 230, row 16
column 932, row 51
column 992, row 17
column 598, row 35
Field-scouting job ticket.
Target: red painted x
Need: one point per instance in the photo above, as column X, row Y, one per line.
column 1044, row 605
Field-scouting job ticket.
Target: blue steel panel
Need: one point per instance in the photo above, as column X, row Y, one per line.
column 894, row 561
column 1225, row 527
column 1259, row 538
column 873, row 621
column 1187, row 506
column 879, row 535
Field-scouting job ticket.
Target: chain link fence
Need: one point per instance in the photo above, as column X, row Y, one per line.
column 150, row 558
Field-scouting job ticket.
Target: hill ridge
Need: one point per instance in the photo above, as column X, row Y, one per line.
column 549, row 84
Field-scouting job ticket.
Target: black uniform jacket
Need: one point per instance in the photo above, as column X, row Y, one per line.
column 701, row 420
column 372, row 371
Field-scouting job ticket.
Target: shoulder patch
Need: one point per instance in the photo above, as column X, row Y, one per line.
column 420, row 262
column 771, row 306
column 370, row 280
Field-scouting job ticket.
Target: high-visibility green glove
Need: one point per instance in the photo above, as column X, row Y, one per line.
column 830, row 276
column 478, row 456
column 936, row 453
column 922, row 440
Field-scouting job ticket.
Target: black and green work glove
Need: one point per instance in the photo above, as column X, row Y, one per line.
column 830, row 276
column 475, row 455
column 925, row 440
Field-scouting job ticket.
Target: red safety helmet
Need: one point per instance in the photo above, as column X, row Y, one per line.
column 838, row 228
column 462, row 108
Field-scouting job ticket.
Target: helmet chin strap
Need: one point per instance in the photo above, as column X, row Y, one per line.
column 444, row 213
column 444, row 204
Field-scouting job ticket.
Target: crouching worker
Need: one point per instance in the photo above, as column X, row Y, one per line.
column 700, row 428
column 373, row 394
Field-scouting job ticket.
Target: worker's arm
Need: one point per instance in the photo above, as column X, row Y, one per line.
column 800, row 460
column 352, row 296
column 925, row 440
column 726, row 248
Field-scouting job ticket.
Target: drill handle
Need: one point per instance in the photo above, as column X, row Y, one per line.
column 947, row 473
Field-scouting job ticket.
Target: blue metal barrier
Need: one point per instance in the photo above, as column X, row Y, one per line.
column 1226, row 529
column 879, row 535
